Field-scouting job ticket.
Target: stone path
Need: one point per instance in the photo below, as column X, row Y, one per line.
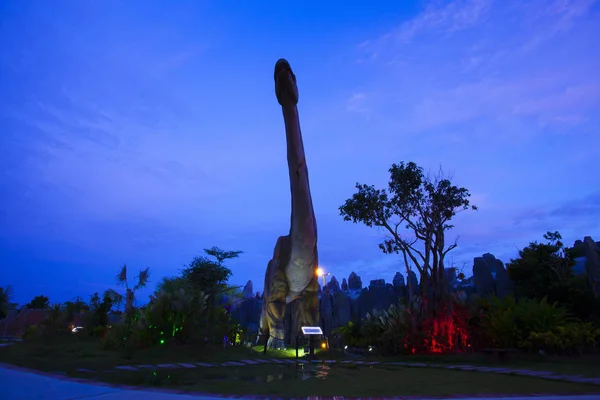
column 279, row 361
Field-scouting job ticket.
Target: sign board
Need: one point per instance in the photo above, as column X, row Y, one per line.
column 312, row 330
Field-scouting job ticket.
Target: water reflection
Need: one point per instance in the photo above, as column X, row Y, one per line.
column 289, row 372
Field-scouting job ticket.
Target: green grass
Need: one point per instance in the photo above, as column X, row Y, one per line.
column 587, row 366
column 67, row 353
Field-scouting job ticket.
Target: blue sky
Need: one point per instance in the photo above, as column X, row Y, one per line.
column 141, row 132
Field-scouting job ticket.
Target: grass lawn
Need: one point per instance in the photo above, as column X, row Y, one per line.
column 587, row 366
column 70, row 352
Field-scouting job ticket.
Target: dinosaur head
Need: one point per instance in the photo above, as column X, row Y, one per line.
column 285, row 84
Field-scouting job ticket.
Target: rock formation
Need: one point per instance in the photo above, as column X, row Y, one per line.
column 291, row 273
column 377, row 283
column 354, row 282
column 333, row 285
column 490, row 276
column 451, row 278
column 504, row 286
column 413, row 285
column 248, row 290
column 398, row 280
column 590, row 258
column 247, row 313
column 378, row 296
column 344, row 285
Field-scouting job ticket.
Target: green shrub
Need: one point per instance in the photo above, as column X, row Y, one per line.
column 500, row 321
column 116, row 337
column 32, row 332
column 547, row 341
column 389, row 330
column 174, row 315
column 535, row 325
column 540, row 316
column 351, row 334
column 577, row 337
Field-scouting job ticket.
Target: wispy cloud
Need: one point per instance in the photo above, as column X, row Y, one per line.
column 358, row 103
column 438, row 18
column 553, row 18
column 451, row 76
column 445, row 17
column 584, row 210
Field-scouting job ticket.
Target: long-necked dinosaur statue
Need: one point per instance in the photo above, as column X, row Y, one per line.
column 291, row 273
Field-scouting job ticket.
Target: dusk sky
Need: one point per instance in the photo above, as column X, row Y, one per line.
column 142, row 131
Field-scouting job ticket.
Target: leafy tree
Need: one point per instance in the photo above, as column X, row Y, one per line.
column 415, row 212
column 55, row 317
column 540, row 267
column 5, row 304
column 209, row 277
column 97, row 316
column 40, row 302
column 222, row 255
column 546, row 270
column 172, row 285
column 74, row 307
column 129, row 297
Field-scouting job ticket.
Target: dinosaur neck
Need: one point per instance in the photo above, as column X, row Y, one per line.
column 303, row 225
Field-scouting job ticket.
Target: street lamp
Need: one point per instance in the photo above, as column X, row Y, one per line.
column 324, row 275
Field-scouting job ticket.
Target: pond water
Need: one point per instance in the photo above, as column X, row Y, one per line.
column 285, row 372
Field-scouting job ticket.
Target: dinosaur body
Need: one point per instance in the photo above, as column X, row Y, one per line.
column 291, row 273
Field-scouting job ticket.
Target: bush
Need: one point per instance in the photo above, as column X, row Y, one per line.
column 577, row 337
column 400, row 330
column 172, row 315
column 499, row 321
column 535, row 325
column 352, row 335
column 32, row 332
column 123, row 338
column 115, row 337
column 546, row 341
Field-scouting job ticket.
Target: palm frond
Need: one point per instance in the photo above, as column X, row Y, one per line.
column 6, row 292
column 116, row 297
column 143, row 278
column 122, row 276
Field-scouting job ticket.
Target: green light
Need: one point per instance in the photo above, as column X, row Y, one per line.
column 162, row 341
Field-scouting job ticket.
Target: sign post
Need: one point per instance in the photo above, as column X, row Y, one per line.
column 312, row 331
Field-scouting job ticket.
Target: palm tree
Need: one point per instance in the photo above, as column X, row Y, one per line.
column 129, row 296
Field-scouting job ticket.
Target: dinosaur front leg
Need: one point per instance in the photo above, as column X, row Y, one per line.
column 275, row 310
